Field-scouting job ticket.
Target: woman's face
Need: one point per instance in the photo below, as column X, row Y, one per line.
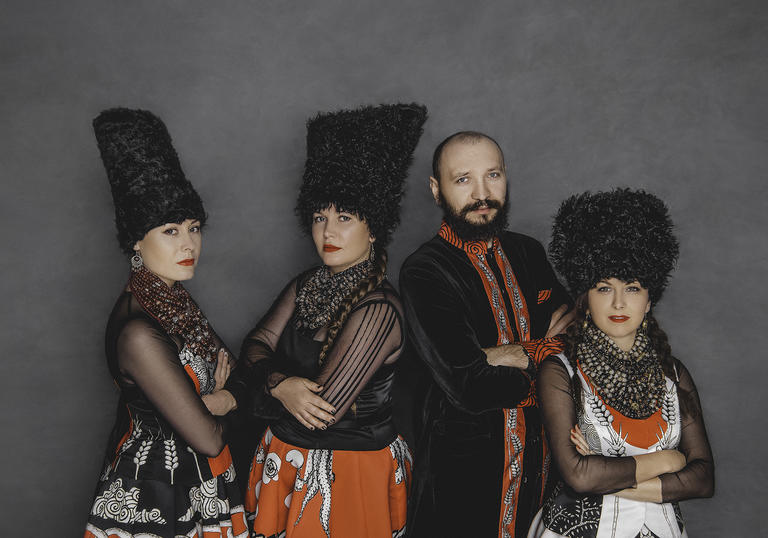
column 171, row 251
column 341, row 238
column 618, row 308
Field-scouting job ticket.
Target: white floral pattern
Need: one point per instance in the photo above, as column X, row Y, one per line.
column 203, row 369
column 122, row 506
column 271, row 468
column 205, row 501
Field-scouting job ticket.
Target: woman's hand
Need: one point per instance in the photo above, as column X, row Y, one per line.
column 223, row 369
column 220, row 402
column 298, row 396
column 675, row 459
column 648, row 491
column 578, row 439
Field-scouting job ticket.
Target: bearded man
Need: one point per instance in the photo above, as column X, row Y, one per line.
column 483, row 306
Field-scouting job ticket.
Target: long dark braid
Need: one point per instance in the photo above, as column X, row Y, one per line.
column 572, row 339
column 374, row 279
column 659, row 343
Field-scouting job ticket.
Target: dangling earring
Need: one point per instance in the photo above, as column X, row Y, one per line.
column 644, row 325
column 586, row 321
column 372, row 256
column 137, row 262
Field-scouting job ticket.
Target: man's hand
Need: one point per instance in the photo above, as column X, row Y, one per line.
column 560, row 321
column 511, row 355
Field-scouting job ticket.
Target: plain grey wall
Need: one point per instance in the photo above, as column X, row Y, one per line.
column 665, row 95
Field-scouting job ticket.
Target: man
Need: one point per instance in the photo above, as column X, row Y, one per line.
column 482, row 306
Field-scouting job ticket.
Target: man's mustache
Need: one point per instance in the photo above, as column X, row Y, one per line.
column 481, row 204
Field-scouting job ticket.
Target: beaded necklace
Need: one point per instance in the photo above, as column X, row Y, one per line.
column 632, row 382
column 175, row 310
column 321, row 295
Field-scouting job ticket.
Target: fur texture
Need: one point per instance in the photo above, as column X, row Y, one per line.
column 357, row 161
column 623, row 234
column 148, row 185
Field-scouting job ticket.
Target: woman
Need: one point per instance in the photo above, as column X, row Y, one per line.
column 621, row 413
column 168, row 472
column 331, row 462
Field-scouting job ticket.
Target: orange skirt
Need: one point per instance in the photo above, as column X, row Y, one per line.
column 296, row 492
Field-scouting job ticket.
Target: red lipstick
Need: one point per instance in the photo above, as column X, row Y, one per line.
column 330, row 248
column 187, row 263
column 618, row 319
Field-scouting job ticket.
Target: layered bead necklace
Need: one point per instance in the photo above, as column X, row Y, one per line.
column 175, row 310
column 632, row 382
column 321, row 295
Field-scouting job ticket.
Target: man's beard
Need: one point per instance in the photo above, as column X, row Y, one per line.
column 469, row 231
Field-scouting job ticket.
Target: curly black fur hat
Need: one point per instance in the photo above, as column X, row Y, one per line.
column 148, row 185
column 622, row 234
column 357, row 161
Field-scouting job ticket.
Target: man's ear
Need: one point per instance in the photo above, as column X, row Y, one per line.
column 434, row 186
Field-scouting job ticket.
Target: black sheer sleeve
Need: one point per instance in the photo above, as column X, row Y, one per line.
column 258, row 369
column 148, row 357
column 371, row 336
column 697, row 478
column 445, row 340
column 260, row 343
column 584, row 474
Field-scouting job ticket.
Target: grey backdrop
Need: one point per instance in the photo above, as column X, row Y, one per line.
column 668, row 96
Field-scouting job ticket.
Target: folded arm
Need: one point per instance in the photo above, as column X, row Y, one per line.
column 148, row 357
column 259, row 370
column 371, row 336
column 697, row 478
column 445, row 340
column 591, row 474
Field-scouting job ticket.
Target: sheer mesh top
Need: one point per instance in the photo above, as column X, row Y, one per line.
column 596, row 474
column 144, row 361
column 358, row 368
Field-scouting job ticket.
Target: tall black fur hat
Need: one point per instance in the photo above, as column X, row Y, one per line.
column 357, row 160
column 622, row 234
column 148, row 185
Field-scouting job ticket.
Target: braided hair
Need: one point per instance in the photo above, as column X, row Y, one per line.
column 658, row 340
column 375, row 277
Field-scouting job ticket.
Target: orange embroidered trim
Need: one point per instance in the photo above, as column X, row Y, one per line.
column 543, row 296
column 514, row 442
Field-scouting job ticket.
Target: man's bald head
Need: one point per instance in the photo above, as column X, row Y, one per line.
column 461, row 137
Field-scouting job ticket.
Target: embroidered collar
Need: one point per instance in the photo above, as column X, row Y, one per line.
column 479, row 254
column 473, row 247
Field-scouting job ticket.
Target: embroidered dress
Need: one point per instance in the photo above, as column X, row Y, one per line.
column 481, row 449
column 351, row 479
column 167, row 472
column 614, row 437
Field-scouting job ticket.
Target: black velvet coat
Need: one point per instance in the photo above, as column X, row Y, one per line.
column 460, row 430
